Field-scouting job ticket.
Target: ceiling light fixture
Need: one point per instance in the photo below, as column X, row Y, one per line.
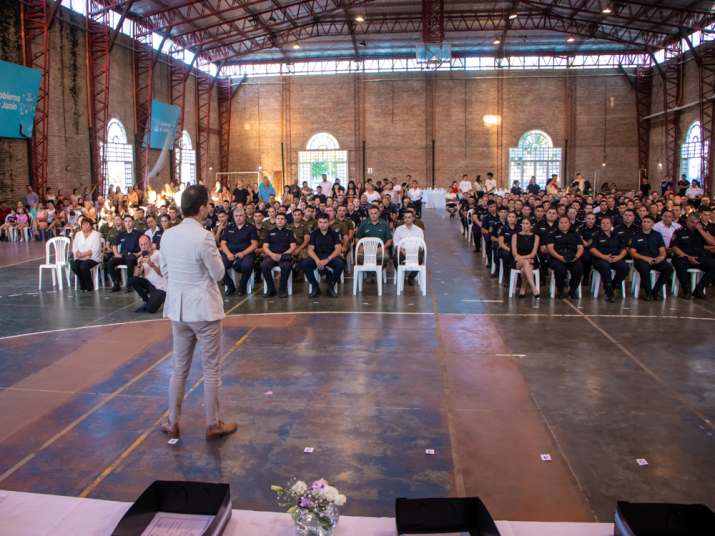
column 497, row 41
column 296, row 46
column 606, row 10
column 513, row 16
column 359, row 18
column 571, row 40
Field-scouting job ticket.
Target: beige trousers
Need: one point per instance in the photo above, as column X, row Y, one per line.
column 186, row 335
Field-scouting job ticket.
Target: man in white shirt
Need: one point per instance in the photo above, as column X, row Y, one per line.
column 152, row 227
column 465, row 186
column 490, row 185
column 667, row 227
column 695, row 191
column 148, row 280
column 407, row 230
column 415, row 195
column 191, row 262
column 371, row 194
column 326, row 186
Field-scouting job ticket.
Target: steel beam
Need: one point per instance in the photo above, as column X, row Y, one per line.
column 672, row 98
column 143, row 59
column 203, row 121
column 225, row 95
column 432, row 21
column 97, row 54
column 35, row 53
column 644, row 93
column 707, row 111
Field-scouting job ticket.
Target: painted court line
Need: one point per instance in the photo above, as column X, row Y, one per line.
column 647, row 370
column 21, row 262
column 71, row 426
column 142, row 437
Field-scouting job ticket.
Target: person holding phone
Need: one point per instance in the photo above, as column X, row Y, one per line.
column 148, row 281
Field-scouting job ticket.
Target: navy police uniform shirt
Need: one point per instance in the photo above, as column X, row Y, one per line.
column 627, row 233
column 587, row 232
column 128, row 242
column 690, row 242
column 324, row 244
column 507, row 232
column 490, row 221
column 239, row 239
column 566, row 244
column 608, row 245
column 545, row 229
column 648, row 244
column 279, row 240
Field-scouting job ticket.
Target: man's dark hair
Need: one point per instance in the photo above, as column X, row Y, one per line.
column 193, row 198
column 648, row 217
column 297, row 210
column 323, row 216
column 128, row 216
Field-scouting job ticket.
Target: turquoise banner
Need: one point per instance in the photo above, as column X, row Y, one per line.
column 164, row 118
column 19, row 87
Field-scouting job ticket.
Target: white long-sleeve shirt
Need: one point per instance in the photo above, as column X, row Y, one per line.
column 666, row 232
column 405, row 232
column 92, row 243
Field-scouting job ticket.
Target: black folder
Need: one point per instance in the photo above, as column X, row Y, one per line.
column 444, row 515
column 663, row 519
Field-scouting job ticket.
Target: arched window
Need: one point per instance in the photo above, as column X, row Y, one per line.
column 186, row 160
column 691, row 153
column 535, row 156
column 322, row 155
column 119, row 156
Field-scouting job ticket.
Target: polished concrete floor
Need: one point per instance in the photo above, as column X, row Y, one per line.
column 490, row 383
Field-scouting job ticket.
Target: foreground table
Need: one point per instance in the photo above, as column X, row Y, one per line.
column 34, row 514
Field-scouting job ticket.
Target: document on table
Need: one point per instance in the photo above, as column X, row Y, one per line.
column 166, row 524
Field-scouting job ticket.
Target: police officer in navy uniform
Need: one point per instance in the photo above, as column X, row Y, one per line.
column 688, row 246
column 238, row 242
column 126, row 251
column 489, row 222
column 545, row 228
column 628, row 230
column 586, row 232
column 566, row 250
column 648, row 253
column 506, row 231
column 278, row 251
column 494, row 237
column 609, row 252
column 324, row 249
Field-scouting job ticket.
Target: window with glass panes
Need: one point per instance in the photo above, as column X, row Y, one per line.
column 535, row 156
column 322, row 156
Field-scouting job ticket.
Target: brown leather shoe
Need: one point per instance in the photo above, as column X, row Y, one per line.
column 172, row 430
column 220, row 429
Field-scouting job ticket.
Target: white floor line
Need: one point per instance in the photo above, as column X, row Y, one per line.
column 21, row 262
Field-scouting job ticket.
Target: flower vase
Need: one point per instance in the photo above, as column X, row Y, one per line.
column 310, row 523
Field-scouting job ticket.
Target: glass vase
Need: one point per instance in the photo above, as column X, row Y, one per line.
column 310, row 523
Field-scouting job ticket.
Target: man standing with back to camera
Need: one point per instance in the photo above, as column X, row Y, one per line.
column 193, row 266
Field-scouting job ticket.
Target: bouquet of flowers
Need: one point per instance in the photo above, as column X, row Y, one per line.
column 317, row 502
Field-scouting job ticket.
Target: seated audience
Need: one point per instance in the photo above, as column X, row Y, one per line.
column 239, row 241
column 324, row 249
column 565, row 250
column 524, row 248
column 278, row 248
column 689, row 252
column 648, row 253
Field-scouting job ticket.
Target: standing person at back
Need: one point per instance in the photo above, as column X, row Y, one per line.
column 193, row 266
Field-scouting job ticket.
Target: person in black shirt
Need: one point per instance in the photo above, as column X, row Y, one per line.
column 565, row 250
column 126, row 250
column 278, row 251
column 525, row 247
column 688, row 246
column 164, row 224
column 609, row 252
column 628, row 230
column 324, row 250
column 494, row 239
column 240, row 193
column 238, row 242
column 586, row 232
column 648, row 253
column 545, row 228
column 505, row 233
column 489, row 223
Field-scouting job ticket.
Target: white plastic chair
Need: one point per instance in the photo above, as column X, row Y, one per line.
column 234, row 275
column 370, row 247
column 96, row 277
column 596, row 284
column 59, row 249
column 695, row 275
column 636, row 283
column 552, row 285
column 277, row 270
column 514, row 276
column 317, row 277
column 411, row 246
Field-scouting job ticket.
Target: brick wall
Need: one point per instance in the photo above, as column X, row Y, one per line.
column 398, row 115
column 68, row 149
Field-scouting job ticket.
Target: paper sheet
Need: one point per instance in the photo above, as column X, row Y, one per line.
column 165, row 524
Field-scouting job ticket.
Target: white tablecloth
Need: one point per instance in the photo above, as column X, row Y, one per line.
column 33, row 514
column 434, row 198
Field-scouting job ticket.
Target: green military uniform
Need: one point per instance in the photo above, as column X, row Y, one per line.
column 379, row 230
column 266, row 227
column 312, row 224
column 343, row 227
